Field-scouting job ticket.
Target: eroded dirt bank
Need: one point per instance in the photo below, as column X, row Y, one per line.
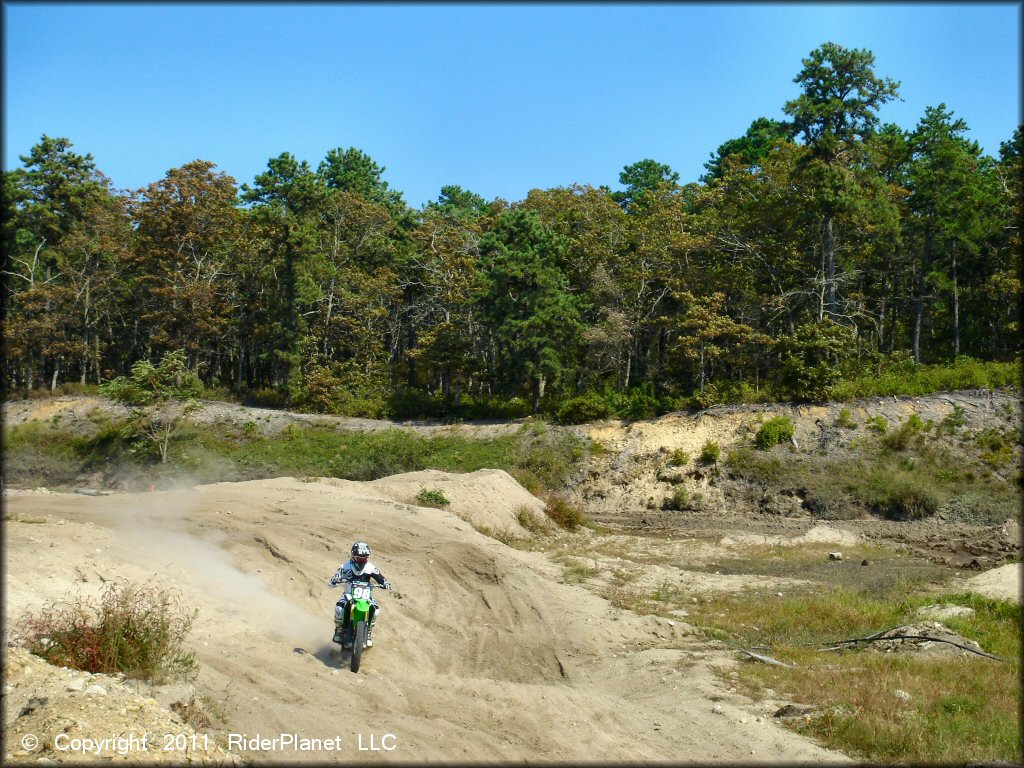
column 628, row 483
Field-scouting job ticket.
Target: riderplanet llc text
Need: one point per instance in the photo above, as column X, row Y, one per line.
column 293, row 742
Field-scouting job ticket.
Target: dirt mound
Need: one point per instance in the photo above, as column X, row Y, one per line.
column 931, row 638
column 482, row 652
column 53, row 713
column 489, row 498
column 1003, row 582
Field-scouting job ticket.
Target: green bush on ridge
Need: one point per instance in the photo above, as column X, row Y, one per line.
column 776, row 430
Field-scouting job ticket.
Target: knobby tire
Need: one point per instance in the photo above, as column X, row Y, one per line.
column 357, row 645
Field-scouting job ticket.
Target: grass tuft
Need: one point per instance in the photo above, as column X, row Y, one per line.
column 432, row 497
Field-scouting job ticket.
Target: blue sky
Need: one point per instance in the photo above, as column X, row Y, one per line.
column 498, row 98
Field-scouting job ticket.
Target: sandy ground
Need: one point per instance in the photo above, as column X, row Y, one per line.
column 1003, row 583
column 482, row 652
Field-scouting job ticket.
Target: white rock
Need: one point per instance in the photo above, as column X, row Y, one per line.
column 98, row 690
column 77, row 684
column 717, row 709
column 945, row 611
column 903, row 695
column 835, row 555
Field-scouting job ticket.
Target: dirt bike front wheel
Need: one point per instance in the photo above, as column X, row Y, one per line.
column 357, row 646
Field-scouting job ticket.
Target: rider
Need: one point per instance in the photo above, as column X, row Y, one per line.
column 358, row 568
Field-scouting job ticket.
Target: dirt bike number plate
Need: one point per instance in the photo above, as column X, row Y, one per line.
column 361, row 592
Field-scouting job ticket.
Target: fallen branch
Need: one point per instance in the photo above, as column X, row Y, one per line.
column 767, row 659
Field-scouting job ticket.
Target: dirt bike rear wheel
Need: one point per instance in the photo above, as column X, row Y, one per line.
column 357, row 645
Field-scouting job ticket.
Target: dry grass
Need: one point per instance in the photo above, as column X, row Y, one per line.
column 138, row 630
column 960, row 709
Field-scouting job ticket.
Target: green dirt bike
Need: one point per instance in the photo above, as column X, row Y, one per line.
column 358, row 617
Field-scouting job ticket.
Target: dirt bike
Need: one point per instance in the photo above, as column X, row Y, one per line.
column 358, row 616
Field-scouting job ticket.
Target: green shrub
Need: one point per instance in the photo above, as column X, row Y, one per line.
column 432, row 497
column 583, row 409
column 705, row 398
column 900, row 495
column 136, row 630
column 953, row 421
column 845, row 419
column 909, row 431
column 878, row 424
column 564, row 514
column 773, row 432
column 897, row 375
column 755, row 466
column 996, row 448
column 827, row 502
column 710, row 452
column 410, row 403
column 681, row 499
column 680, row 458
column 811, row 359
column 637, row 402
column 528, row 520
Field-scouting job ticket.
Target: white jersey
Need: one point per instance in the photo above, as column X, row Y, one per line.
column 349, row 572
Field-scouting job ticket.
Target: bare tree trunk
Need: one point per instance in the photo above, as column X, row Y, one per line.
column 883, row 306
column 538, row 392
column 702, row 366
column 956, row 308
column 829, row 247
column 919, row 306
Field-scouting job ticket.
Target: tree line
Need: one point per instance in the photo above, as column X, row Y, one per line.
column 812, row 248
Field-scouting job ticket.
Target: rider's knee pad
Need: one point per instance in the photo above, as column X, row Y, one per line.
column 339, row 611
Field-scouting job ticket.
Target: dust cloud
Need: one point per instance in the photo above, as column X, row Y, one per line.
column 153, row 535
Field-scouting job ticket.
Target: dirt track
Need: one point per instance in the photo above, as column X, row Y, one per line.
column 481, row 654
